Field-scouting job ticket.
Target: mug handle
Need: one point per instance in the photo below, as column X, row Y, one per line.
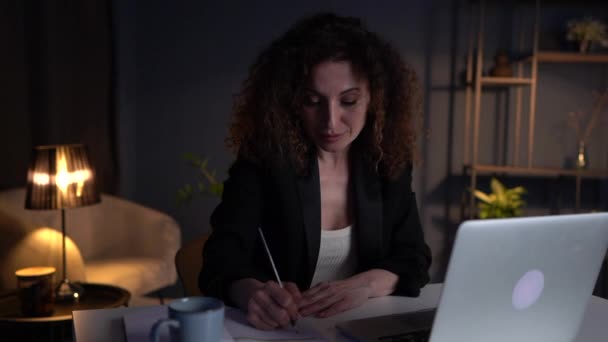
column 155, row 331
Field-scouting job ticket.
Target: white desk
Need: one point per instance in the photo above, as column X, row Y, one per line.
column 106, row 324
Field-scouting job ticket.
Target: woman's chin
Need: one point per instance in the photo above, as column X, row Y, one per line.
column 334, row 147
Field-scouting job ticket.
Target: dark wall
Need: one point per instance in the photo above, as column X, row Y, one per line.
column 56, row 76
column 15, row 136
column 180, row 64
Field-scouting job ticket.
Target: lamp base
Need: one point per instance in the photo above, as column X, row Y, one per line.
column 67, row 291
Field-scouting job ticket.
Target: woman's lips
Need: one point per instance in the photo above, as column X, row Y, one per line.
column 330, row 138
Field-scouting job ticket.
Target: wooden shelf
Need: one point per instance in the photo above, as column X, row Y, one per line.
column 526, row 58
column 486, row 80
column 538, row 171
column 569, row 57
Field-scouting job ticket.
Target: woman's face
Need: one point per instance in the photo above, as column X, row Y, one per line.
column 334, row 106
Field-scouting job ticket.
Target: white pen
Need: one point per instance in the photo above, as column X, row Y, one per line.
column 274, row 268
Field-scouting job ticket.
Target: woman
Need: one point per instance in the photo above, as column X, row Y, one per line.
column 324, row 138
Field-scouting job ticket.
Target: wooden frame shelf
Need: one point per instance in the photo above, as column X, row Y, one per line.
column 538, row 171
column 521, row 81
column 569, row 57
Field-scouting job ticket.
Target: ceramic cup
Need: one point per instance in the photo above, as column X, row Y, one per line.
column 36, row 291
column 192, row 319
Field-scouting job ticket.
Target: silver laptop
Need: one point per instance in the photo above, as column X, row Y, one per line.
column 521, row 279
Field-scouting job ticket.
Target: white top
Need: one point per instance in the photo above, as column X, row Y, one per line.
column 337, row 255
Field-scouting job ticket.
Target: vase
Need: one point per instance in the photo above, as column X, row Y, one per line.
column 583, row 46
column 582, row 161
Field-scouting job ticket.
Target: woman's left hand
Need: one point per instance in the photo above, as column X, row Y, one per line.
column 329, row 298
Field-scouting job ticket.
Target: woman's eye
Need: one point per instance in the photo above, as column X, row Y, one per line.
column 349, row 102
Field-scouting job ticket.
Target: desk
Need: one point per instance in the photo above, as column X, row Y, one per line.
column 96, row 296
column 106, row 325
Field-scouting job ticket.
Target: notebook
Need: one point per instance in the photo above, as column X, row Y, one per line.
column 518, row 279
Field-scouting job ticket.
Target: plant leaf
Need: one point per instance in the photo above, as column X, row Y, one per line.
column 499, row 189
column 482, row 196
column 191, row 158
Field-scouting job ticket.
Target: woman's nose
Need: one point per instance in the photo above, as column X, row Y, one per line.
column 332, row 114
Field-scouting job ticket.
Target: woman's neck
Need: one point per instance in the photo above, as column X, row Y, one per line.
column 333, row 160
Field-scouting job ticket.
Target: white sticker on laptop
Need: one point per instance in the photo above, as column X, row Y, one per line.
column 528, row 289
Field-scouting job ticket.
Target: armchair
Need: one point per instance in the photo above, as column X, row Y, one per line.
column 122, row 243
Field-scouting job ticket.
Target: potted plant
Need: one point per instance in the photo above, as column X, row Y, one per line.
column 586, row 31
column 206, row 182
column 501, row 202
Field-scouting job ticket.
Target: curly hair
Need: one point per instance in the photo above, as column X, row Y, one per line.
column 266, row 120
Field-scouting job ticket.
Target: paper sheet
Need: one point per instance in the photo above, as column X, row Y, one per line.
column 237, row 325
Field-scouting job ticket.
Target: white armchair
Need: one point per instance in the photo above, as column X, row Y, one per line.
column 122, row 243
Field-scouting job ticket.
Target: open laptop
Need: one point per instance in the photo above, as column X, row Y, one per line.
column 520, row 279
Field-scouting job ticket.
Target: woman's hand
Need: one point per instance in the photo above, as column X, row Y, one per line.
column 268, row 305
column 329, row 298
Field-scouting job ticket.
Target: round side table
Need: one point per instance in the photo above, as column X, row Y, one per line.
column 53, row 327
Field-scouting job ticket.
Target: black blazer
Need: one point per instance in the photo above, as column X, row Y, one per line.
column 288, row 208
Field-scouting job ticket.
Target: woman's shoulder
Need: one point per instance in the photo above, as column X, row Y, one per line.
column 262, row 167
column 400, row 185
column 404, row 176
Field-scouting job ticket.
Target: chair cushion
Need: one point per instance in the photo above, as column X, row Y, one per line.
column 138, row 275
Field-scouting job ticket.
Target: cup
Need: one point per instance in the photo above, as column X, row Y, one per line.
column 36, row 291
column 192, row 319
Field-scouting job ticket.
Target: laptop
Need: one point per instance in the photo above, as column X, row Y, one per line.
column 518, row 279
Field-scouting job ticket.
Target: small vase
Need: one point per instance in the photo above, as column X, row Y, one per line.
column 583, row 46
column 582, row 162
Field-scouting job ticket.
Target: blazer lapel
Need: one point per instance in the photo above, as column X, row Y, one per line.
column 310, row 201
column 368, row 211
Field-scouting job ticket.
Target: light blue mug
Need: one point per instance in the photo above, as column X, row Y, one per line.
column 192, row 319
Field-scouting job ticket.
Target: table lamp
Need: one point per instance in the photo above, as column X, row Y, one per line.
column 60, row 177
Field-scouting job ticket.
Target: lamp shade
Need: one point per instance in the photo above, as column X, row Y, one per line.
column 60, row 176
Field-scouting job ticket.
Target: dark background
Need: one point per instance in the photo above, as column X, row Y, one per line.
column 143, row 82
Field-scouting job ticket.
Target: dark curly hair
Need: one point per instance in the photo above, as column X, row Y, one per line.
column 266, row 121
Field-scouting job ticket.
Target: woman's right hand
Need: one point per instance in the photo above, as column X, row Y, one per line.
column 268, row 305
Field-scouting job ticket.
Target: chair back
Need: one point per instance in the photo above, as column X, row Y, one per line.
column 189, row 261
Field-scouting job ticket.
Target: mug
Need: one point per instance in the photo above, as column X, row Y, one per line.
column 192, row 319
column 36, row 291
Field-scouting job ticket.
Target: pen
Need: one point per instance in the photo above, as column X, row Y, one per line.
column 274, row 268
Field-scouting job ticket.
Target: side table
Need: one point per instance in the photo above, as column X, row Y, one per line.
column 59, row 325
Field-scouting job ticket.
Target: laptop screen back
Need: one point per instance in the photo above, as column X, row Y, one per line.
column 523, row 279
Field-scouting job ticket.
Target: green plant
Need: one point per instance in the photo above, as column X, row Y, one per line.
column 587, row 30
column 501, row 202
column 205, row 184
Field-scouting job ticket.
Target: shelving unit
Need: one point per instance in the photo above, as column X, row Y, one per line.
column 476, row 82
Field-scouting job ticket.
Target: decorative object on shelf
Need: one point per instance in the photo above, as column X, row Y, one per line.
column 501, row 202
column 587, row 31
column 60, row 177
column 583, row 127
column 503, row 66
column 581, row 157
column 206, row 182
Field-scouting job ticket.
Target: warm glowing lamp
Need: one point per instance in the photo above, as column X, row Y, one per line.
column 61, row 177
